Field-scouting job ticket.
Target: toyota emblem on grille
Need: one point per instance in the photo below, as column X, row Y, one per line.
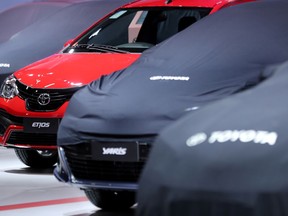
column 44, row 99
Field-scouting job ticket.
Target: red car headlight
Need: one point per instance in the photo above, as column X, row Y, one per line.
column 9, row 88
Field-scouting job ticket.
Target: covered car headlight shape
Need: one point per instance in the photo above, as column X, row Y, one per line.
column 9, row 88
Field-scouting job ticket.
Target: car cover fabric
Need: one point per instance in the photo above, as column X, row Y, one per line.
column 10, row 23
column 47, row 36
column 220, row 55
column 6, row 4
column 230, row 157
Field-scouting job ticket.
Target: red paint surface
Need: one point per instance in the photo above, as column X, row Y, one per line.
column 42, row 203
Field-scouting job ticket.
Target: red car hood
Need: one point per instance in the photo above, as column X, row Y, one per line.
column 70, row 70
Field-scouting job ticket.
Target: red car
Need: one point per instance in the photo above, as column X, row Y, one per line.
column 33, row 100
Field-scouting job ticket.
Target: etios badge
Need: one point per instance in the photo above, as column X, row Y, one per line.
column 44, row 99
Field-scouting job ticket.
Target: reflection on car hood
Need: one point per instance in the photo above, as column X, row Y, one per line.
column 69, row 70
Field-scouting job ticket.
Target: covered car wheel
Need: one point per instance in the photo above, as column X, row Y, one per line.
column 37, row 158
column 111, row 200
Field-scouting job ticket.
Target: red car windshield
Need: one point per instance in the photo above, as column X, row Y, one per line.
column 134, row 30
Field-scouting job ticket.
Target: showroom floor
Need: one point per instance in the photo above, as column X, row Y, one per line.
column 25, row 191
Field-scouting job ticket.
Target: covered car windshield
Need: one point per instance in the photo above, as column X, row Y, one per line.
column 135, row 30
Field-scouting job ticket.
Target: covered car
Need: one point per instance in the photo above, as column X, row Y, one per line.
column 6, row 4
column 109, row 125
column 48, row 36
column 16, row 18
column 229, row 158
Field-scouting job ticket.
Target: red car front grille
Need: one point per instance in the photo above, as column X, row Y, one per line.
column 57, row 97
column 18, row 137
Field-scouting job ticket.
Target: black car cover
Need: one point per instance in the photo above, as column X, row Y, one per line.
column 47, row 36
column 219, row 55
column 28, row 13
column 6, row 4
column 228, row 159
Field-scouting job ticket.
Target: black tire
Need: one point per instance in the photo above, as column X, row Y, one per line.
column 37, row 159
column 111, row 200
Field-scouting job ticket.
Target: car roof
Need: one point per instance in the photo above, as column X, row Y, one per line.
column 145, row 3
column 215, row 4
column 173, row 3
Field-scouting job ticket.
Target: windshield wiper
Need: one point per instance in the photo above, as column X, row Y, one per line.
column 100, row 47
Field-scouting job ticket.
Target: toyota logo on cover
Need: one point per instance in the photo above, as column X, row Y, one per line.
column 44, row 99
